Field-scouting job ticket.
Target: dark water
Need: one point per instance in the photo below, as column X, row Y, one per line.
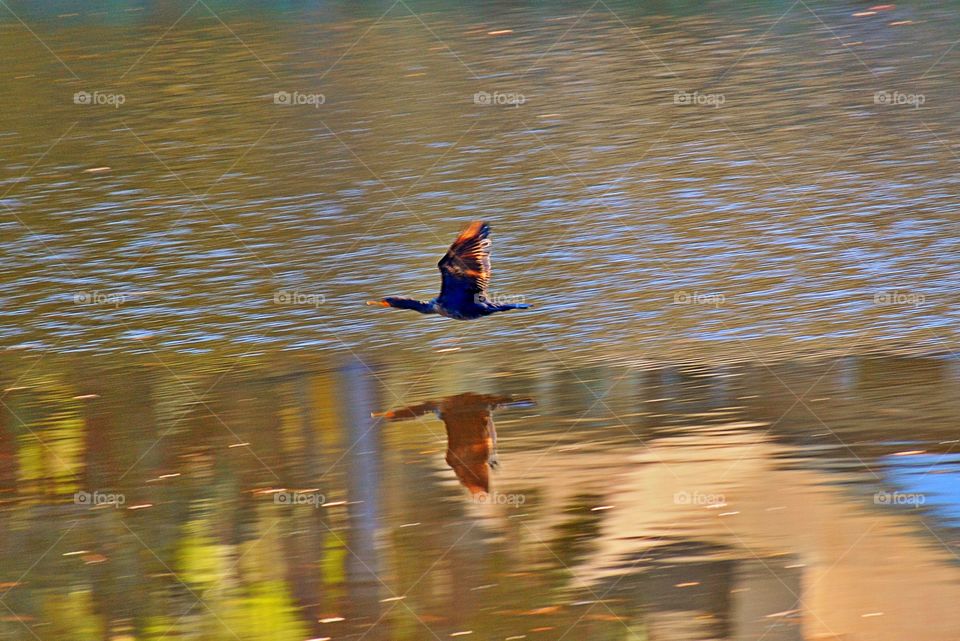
column 731, row 414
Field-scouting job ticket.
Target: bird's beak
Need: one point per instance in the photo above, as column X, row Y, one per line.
column 378, row 303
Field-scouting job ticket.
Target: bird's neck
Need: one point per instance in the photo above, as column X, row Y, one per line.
column 424, row 307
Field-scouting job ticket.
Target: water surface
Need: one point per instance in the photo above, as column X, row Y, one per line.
column 269, row 502
column 731, row 413
column 800, row 214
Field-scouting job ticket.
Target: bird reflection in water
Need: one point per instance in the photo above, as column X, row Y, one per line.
column 471, row 434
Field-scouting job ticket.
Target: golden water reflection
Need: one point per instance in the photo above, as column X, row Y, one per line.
column 269, row 501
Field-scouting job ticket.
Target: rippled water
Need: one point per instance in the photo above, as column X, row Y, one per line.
column 798, row 214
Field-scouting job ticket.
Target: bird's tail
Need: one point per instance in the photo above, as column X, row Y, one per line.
column 508, row 306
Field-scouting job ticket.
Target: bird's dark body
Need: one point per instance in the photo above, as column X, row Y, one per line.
column 465, row 273
column 467, row 310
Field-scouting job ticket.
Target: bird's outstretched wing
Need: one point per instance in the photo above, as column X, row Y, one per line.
column 465, row 268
